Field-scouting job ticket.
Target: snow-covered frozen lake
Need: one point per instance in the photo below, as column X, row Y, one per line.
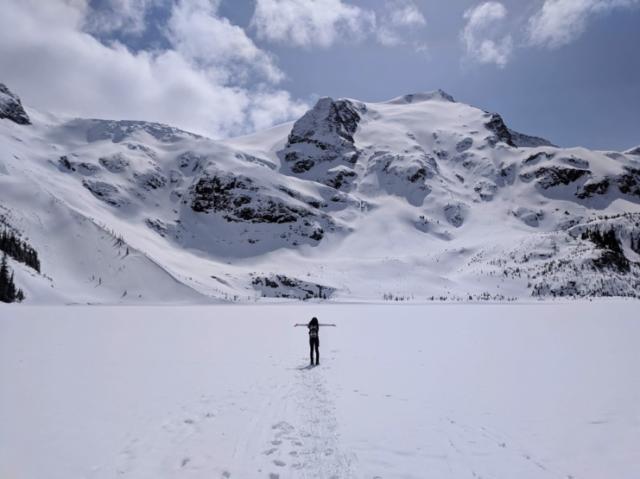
column 403, row 391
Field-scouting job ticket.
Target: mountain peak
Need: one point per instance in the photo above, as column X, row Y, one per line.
column 420, row 97
column 329, row 120
column 323, row 135
column 634, row 151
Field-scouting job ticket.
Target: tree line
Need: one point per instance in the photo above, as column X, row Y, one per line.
column 12, row 246
column 19, row 250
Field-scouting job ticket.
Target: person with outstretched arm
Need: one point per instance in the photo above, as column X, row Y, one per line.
column 314, row 338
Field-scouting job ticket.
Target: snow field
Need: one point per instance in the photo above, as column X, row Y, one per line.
column 522, row 391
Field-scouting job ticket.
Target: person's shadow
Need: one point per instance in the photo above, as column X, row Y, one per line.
column 308, row 366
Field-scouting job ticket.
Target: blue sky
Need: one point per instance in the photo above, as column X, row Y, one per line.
column 568, row 70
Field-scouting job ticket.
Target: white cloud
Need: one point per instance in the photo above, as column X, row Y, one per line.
column 265, row 105
column 483, row 35
column 400, row 20
column 47, row 58
column 127, row 16
column 310, row 22
column 559, row 22
column 405, row 13
column 212, row 42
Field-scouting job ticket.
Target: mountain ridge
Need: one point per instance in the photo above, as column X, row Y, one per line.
column 418, row 197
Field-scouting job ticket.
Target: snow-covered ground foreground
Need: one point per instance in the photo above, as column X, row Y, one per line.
column 405, row 391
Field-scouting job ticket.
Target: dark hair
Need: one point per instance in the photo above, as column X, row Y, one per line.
column 313, row 322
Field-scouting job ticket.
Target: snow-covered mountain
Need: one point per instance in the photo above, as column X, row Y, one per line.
column 419, row 197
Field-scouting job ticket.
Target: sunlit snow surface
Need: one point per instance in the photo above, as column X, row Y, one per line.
column 425, row 201
column 410, row 391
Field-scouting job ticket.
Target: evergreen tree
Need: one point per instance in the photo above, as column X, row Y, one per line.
column 4, row 280
column 11, row 290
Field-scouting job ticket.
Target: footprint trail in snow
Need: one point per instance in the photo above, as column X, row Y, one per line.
column 291, row 433
column 453, row 392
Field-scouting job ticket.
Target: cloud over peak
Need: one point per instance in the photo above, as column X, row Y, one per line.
column 400, row 20
column 323, row 23
column 310, row 22
column 127, row 16
column 488, row 35
column 559, row 22
column 213, row 43
column 198, row 83
column 483, row 36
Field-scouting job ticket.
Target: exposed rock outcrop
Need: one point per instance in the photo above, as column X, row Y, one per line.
column 322, row 139
column 527, row 141
column 495, row 124
column 548, row 177
column 281, row 286
column 11, row 107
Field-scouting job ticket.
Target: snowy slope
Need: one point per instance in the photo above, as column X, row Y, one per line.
column 417, row 198
column 546, row 391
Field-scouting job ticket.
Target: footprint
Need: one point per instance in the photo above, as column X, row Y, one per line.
column 276, row 442
column 226, row 474
column 283, row 426
column 268, row 452
column 274, row 476
column 598, row 421
column 185, row 461
column 279, row 463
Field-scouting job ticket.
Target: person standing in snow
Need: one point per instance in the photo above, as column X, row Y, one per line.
column 314, row 338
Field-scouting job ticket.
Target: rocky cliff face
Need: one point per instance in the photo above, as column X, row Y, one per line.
column 321, row 144
column 11, row 107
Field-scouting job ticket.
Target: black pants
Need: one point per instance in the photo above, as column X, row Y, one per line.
column 314, row 343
